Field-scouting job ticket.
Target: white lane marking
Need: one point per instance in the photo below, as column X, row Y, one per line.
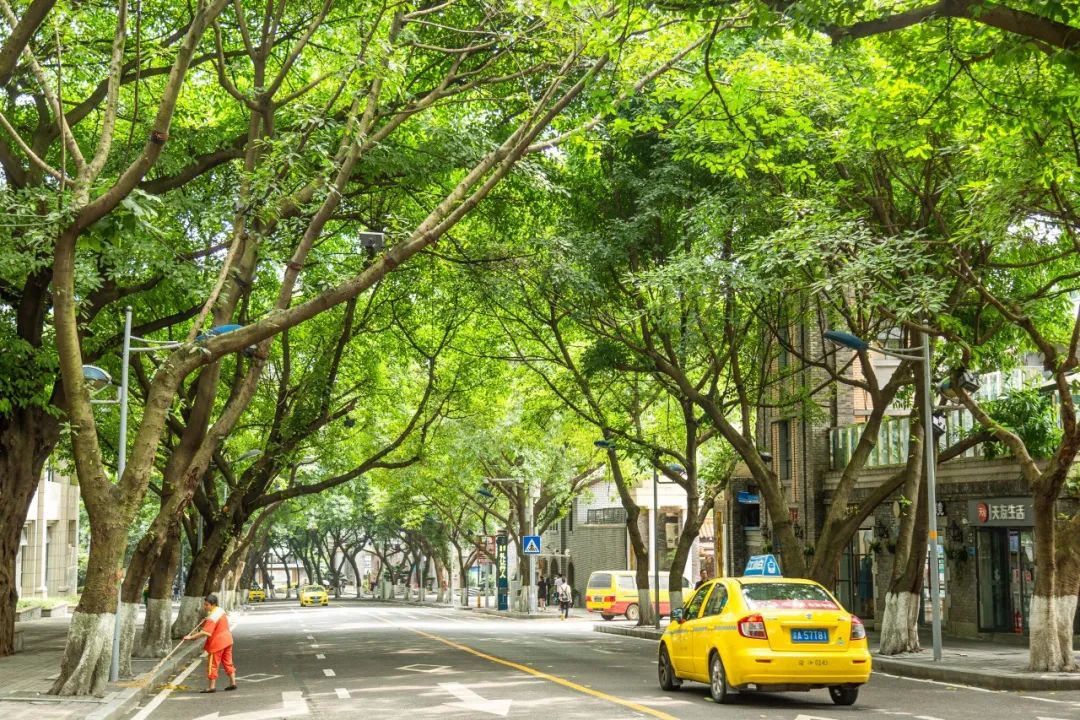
column 937, row 682
column 812, row 717
column 328, row 672
column 1049, row 700
column 320, row 656
column 314, row 645
column 471, row 701
column 342, row 693
column 160, row 697
column 293, row 704
column 927, row 717
column 310, row 637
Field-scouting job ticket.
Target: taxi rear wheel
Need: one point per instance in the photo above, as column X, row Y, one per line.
column 718, row 687
column 844, row 695
column 666, row 673
column 633, row 613
column 607, row 617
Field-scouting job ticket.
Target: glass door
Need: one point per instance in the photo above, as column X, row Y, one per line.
column 994, row 588
column 1021, row 577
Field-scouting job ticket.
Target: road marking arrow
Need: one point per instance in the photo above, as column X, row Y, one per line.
column 469, row 700
column 293, row 704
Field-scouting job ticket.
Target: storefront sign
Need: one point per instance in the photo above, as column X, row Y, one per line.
column 1001, row 512
column 747, row 498
column 502, row 572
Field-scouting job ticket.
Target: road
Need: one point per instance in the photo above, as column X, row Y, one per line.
column 374, row 660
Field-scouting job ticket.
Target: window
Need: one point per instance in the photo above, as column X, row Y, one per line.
column 600, row 581
column 716, row 601
column 694, row 606
column 784, row 340
column 606, row 516
column 626, row 582
column 786, row 596
column 783, row 449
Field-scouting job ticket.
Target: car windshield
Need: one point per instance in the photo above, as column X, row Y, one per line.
column 786, row 596
column 313, row 588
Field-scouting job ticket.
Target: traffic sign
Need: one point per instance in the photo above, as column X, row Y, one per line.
column 530, row 544
column 762, row 565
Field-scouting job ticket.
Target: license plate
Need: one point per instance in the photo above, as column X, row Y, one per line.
column 815, row 635
column 598, row 598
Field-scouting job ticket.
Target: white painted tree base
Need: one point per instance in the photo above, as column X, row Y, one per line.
column 84, row 669
column 191, row 612
column 129, row 613
column 155, row 640
column 899, row 624
column 645, row 606
column 676, row 600
column 1051, row 620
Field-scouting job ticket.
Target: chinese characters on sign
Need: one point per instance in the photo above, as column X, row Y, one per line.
column 502, row 572
column 1001, row 512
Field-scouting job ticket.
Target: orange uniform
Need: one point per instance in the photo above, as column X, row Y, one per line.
column 220, row 643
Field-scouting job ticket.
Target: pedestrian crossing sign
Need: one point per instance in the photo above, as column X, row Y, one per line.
column 530, row 544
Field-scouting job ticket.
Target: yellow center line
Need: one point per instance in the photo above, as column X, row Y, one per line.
column 549, row 677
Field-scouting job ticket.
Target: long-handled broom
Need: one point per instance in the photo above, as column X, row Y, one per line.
column 153, row 670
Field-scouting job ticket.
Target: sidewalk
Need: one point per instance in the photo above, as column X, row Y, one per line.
column 993, row 666
column 25, row 677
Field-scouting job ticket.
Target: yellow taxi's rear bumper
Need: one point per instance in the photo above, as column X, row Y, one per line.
column 765, row 667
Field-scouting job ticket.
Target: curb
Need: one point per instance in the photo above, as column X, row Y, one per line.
column 634, row 632
column 123, row 701
column 976, row 678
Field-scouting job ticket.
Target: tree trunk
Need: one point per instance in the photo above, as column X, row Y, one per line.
column 84, row 668
column 191, row 609
column 27, row 436
column 1052, row 610
column 899, row 624
column 129, row 613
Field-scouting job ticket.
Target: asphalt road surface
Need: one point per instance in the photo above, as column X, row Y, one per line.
column 374, row 660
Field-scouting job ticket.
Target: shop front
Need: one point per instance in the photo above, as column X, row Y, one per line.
column 1005, row 561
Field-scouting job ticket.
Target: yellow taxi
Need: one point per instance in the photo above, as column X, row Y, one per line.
column 765, row 632
column 256, row 594
column 313, row 595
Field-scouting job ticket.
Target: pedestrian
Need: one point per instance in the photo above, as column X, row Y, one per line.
column 541, row 592
column 704, row 578
column 566, row 596
column 219, row 643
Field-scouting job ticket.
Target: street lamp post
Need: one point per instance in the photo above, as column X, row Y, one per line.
column 856, row 343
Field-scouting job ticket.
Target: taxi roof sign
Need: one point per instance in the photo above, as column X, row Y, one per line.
column 762, row 566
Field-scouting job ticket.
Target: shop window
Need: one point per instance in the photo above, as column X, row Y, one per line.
column 783, row 450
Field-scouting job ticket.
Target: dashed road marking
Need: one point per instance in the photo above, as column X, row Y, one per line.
column 342, row 693
column 320, row 656
column 328, row 672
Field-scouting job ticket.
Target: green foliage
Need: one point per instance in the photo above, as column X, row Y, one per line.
column 1029, row 413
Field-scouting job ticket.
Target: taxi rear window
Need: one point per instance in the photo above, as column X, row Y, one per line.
column 600, row 580
column 786, row 596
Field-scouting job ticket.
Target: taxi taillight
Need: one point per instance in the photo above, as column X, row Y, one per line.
column 753, row 626
column 858, row 630
column 609, row 598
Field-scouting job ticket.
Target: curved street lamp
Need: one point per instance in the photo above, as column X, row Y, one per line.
column 854, row 342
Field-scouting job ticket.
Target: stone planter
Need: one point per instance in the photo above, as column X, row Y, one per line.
column 19, row 640
column 31, row 613
column 55, row 611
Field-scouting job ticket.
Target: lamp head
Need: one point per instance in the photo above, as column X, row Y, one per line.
column 853, row 342
column 96, row 378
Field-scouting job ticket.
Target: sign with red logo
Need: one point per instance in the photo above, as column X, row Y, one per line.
column 1002, row 512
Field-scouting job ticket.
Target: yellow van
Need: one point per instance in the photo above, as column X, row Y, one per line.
column 614, row 592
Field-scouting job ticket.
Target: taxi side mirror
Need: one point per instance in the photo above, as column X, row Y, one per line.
column 677, row 615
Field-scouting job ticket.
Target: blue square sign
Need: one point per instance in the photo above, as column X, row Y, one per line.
column 530, row 544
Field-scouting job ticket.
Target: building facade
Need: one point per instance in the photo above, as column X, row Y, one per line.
column 986, row 544
column 47, row 563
